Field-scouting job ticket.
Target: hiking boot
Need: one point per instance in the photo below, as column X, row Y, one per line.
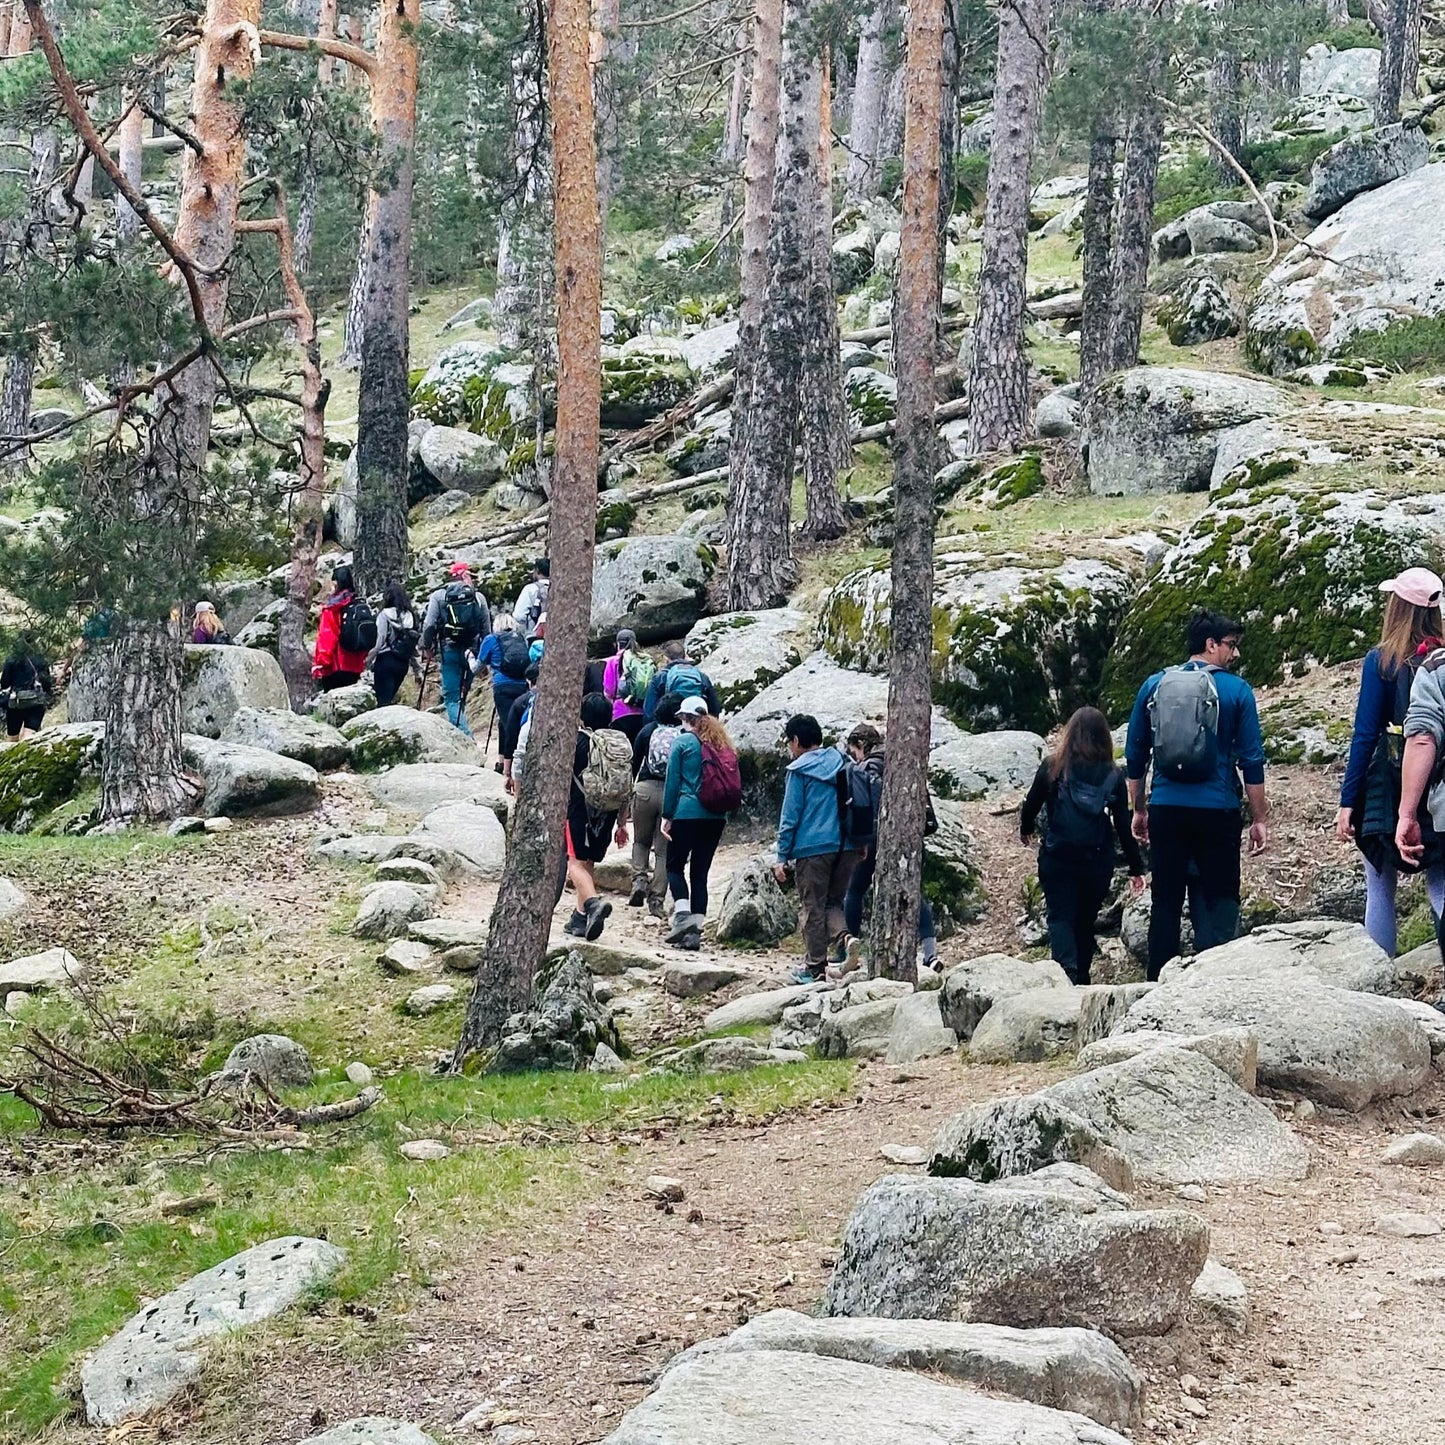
column 597, row 913
column 853, row 955
column 809, row 973
column 638, row 898
column 690, row 942
column 682, row 924
column 576, row 925
column 657, row 907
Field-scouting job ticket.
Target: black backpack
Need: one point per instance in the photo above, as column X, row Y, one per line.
column 402, row 641
column 461, row 614
column 358, row 626
column 1078, row 815
column 516, row 655
column 858, row 791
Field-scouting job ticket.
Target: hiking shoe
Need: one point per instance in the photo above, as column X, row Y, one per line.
column 657, row 907
column 682, row 925
column 576, row 925
column 690, row 942
column 596, row 915
column 809, row 973
column 853, row 955
column 638, row 898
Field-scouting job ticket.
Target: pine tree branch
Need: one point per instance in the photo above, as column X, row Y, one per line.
column 254, row 323
column 363, row 60
column 159, row 116
column 667, row 19
column 79, row 118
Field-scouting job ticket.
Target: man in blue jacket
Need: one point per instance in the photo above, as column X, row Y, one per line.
column 1200, row 751
column 810, row 838
column 679, row 674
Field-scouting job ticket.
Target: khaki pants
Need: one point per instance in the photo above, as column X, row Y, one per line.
column 649, row 847
column 822, row 882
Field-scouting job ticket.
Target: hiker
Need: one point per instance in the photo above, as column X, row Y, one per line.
column 26, row 685
column 596, row 810
column 1200, row 726
column 1370, row 792
column 397, row 640
column 207, row 627
column 509, row 749
column 703, row 787
column 865, row 752
column 531, row 605
column 681, row 675
column 625, row 679
column 810, row 840
column 650, row 753
column 1083, row 792
column 347, row 632
column 504, row 657
column 538, row 645
column 457, row 618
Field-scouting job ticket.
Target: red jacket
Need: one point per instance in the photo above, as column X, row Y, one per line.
column 330, row 655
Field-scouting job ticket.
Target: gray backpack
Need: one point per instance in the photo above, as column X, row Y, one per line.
column 1184, row 720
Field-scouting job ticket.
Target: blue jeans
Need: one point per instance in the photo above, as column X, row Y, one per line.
column 454, row 669
column 1380, row 917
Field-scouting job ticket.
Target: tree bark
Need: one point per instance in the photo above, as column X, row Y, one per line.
column 998, row 373
column 1098, row 251
column 15, row 408
column 1399, row 52
column 898, row 878
column 1133, row 236
column 758, row 171
column 129, row 139
column 826, row 448
column 1337, row 12
column 353, row 332
column 733, row 135
column 761, row 570
column 1410, row 64
column 869, row 94
column 384, row 398
column 1226, row 104
column 521, row 918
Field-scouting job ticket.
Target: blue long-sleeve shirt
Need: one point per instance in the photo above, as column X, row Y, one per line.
column 1374, row 712
column 1241, row 747
column 658, row 686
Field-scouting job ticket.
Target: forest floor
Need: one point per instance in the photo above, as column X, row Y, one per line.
column 529, row 1278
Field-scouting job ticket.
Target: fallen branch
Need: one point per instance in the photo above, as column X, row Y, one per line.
column 885, row 333
column 666, row 424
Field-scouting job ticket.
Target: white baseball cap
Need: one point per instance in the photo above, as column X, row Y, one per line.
column 692, row 707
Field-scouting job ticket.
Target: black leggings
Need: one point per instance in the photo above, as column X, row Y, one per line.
column 1193, row 852
column 389, row 672
column 691, row 847
column 1074, row 891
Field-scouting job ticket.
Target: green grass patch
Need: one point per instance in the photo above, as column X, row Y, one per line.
column 1418, row 341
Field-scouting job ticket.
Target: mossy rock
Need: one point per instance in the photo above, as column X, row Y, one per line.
column 952, row 878
column 1013, row 647
column 1298, row 565
column 46, row 772
column 638, row 387
column 872, row 396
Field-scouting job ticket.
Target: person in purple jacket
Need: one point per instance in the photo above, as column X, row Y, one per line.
column 1370, row 792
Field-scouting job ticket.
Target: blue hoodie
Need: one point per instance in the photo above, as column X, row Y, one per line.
column 809, row 825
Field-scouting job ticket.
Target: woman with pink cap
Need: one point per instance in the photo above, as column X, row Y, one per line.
column 1370, row 792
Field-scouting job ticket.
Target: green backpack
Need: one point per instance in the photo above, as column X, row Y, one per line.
column 637, row 674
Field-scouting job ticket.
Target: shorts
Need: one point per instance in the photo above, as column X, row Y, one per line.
column 589, row 835
column 26, row 717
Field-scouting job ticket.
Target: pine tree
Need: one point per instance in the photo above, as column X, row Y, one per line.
column 898, row 877
column 870, row 92
column 517, row 937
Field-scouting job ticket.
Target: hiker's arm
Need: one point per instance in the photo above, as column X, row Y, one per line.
column 788, row 819
column 1033, row 804
column 672, row 788
column 1128, row 844
column 1249, row 755
column 431, row 622
column 383, row 632
column 709, row 696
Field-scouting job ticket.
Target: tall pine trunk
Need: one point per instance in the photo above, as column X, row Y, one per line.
column 998, row 372
column 353, row 327
column 15, row 408
column 521, row 918
column 870, row 92
column 129, row 152
column 524, row 238
column 1226, row 108
column 761, row 570
column 384, row 398
column 1399, row 24
column 1098, row 224
column 1133, row 236
column 898, row 877
column 826, row 448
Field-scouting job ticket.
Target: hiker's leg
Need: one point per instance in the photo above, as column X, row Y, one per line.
column 1435, row 888
column 858, row 886
column 927, row 932
column 454, row 662
column 579, row 871
column 646, row 820
column 679, row 847
column 1093, row 890
column 1169, row 865
column 1216, row 835
column 1381, row 920
column 811, row 876
column 1060, row 886
column 838, row 880
column 709, row 835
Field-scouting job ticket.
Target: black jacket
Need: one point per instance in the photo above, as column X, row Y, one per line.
column 1043, row 794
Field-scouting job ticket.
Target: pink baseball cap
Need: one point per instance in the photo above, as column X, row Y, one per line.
column 1418, row 586
column 460, row 569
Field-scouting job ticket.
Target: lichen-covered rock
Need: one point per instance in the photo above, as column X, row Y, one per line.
column 246, row 780
column 972, row 988
column 858, row 1032
column 1213, row 229
column 461, row 459
column 389, row 735
column 389, row 909
column 337, row 707
column 263, row 631
column 710, row 350
column 278, row 1061
column 1340, row 954
column 754, row 908
column 1156, row 428
column 1058, row 413
column 743, row 652
column 1354, row 72
column 726, row 1055
column 43, row 772
column 952, row 875
column 470, row 831
column 918, row 1031
column 563, row 1027
column 872, row 396
column 1014, row 647
column 704, row 448
column 282, row 731
column 978, row 765
column 480, row 386
column 1360, row 163
column 638, row 386
column 1299, row 565
column 1375, row 263
column 40, row 972
column 1199, row 310
column 420, row 787
column 657, row 586
column 1057, row 1247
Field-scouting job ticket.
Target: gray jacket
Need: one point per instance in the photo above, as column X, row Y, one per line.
column 431, row 626
column 1427, row 717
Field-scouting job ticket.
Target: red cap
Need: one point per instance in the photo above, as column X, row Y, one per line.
column 460, row 569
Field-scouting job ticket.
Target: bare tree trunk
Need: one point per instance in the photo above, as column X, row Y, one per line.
column 325, row 30
column 1133, row 235
column 1410, row 65
column 1226, row 104
column 898, row 878
column 733, row 137
column 129, row 140
column 761, row 570
column 605, row 56
column 353, row 332
column 1399, row 23
column 826, row 448
column 517, row 937
column 1337, row 12
column 869, row 94
column 890, row 126
column 384, row 398
column 15, row 409
column 1098, row 251
column 998, row 372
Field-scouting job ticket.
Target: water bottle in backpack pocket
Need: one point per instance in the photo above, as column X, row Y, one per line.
column 1184, row 722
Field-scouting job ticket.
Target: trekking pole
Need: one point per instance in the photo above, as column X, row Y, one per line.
column 487, row 746
column 421, row 691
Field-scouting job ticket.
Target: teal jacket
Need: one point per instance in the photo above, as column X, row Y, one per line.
column 684, row 780
column 810, row 825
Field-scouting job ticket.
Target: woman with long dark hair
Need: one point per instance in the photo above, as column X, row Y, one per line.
column 397, row 639
column 1370, row 792
column 1082, row 790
